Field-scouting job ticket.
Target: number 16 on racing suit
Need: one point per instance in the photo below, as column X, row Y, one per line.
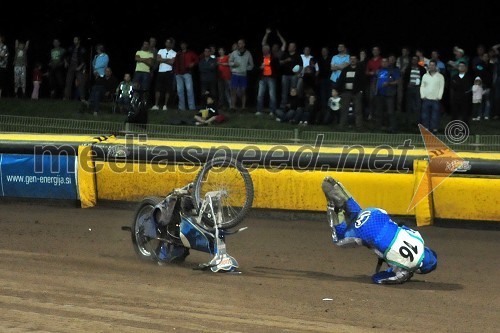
column 402, row 248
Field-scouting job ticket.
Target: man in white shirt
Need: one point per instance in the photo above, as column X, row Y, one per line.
column 165, row 77
column 431, row 93
column 307, row 72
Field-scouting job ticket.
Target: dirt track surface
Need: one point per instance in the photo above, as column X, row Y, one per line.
column 67, row 269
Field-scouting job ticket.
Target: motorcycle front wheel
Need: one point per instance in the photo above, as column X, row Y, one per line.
column 230, row 176
column 146, row 248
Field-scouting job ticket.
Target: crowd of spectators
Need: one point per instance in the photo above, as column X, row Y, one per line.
column 288, row 82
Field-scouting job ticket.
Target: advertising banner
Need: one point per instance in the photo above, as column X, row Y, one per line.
column 46, row 176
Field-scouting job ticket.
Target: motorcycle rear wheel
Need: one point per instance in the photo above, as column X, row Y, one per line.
column 146, row 248
column 229, row 175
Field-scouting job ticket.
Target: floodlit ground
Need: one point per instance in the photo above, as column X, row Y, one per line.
column 67, row 269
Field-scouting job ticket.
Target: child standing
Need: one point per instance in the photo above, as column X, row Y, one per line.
column 124, row 93
column 477, row 99
column 37, row 80
column 332, row 117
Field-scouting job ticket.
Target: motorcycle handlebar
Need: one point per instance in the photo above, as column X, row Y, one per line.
column 184, row 190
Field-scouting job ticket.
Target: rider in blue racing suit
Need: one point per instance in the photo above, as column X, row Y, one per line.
column 400, row 247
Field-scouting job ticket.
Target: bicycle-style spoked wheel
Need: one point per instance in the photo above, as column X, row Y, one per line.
column 230, row 177
column 146, row 247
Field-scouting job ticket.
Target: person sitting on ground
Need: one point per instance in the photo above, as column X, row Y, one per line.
column 209, row 113
column 401, row 248
column 303, row 115
column 294, row 105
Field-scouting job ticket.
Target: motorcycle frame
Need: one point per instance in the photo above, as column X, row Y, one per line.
column 214, row 236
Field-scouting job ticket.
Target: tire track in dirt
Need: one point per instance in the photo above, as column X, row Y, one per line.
column 66, row 269
column 68, row 298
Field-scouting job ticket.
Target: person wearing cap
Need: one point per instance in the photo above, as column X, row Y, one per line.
column 459, row 57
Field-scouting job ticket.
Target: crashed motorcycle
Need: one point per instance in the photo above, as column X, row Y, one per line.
column 197, row 216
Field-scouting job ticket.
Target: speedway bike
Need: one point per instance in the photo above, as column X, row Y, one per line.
column 197, row 216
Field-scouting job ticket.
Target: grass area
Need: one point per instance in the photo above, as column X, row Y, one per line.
column 71, row 110
column 52, row 108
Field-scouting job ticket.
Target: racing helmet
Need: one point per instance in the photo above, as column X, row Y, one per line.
column 429, row 262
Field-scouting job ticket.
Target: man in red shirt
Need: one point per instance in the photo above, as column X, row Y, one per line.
column 223, row 79
column 185, row 61
column 372, row 67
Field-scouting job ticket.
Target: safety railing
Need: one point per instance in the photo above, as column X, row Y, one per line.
column 8, row 123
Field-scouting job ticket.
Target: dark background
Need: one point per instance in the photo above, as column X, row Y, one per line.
column 122, row 26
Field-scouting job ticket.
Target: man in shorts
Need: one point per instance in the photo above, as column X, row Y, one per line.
column 165, row 78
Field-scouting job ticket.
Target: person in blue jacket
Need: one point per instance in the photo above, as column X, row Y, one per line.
column 401, row 248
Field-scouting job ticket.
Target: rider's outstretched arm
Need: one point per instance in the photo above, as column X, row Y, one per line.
column 340, row 200
column 342, row 234
column 352, row 210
